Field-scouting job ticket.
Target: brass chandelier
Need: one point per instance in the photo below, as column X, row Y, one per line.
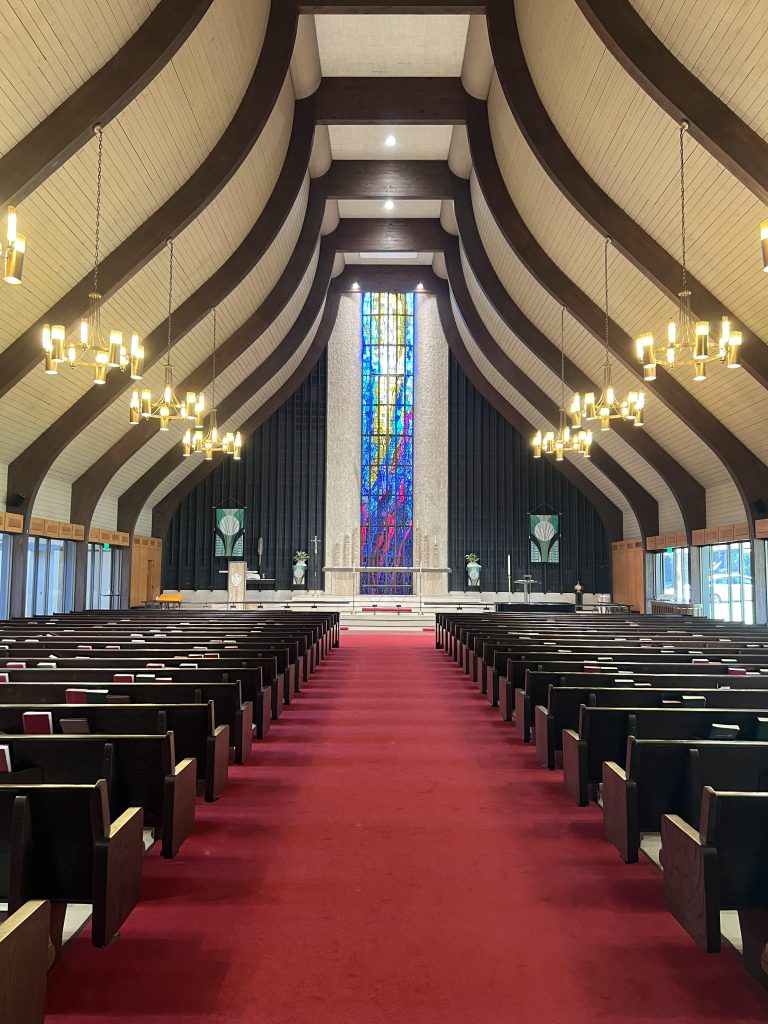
column 688, row 340
column 207, row 444
column 167, row 406
column 91, row 349
column 13, row 250
column 606, row 406
column 565, row 440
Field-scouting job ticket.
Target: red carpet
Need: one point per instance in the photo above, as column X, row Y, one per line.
column 393, row 854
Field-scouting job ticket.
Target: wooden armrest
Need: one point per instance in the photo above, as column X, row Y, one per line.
column 545, row 736
column 620, row 819
column 124, row 821
column 24, row 939
column 217, row 762
column 575, row 767
column 117, row 864
column 179, row 806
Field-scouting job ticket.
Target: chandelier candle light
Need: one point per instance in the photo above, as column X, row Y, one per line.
column 565, row 440
column 607, row 407
column 13, row 250
column 207, row 444
column 167, row 407
column 688, row 340
column 91, row 348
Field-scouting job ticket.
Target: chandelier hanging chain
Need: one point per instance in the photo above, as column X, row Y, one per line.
column 562, row 357
column 213, row 381
column 170, row 297
column 683, row 130
column 100, row 135
column 605, row 276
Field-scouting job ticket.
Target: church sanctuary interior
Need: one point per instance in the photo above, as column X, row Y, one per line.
column 383, row 512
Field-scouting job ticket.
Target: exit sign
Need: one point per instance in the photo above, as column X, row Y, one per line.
column 106, row 547
column 669, row 550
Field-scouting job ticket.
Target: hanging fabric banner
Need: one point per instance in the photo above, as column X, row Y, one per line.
column 545, row 538
column 229, row 534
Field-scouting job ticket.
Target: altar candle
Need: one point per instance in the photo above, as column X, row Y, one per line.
column 509, row 565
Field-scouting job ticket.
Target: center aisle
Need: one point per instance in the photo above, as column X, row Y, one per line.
column 393, row 854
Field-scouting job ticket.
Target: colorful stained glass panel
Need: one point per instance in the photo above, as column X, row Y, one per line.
column 386, row 501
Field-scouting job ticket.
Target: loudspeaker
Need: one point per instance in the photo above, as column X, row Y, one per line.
column 759, row 507
column 14, row 500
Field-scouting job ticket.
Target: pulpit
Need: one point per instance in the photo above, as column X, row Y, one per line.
column 236, row 577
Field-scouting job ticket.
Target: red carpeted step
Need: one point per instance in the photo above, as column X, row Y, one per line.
column 393, row 854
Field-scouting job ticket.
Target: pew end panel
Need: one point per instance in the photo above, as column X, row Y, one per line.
column 754, row 938
column 506, row 700
column 522, row 714
column 575, row 767
column 118, row 859
column 244, row 732
column 180, row 792
column 691, row 882
column 216, row 763
column 263, row 712
column 620, row 817
column 24, row 954
column 544, row 736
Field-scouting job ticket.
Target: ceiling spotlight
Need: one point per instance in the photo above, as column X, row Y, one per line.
column 390, row 140
column 389, row 205
column 419, row 287
column 355, row 286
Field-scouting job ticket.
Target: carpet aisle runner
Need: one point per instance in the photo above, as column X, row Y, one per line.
column 391, row 854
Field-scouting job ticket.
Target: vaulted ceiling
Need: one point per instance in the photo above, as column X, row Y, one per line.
column 255, row 135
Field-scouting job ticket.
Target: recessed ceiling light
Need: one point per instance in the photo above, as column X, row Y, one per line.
column 419, row 287
column 389, row 205
column 355, row 286
column 390, row 140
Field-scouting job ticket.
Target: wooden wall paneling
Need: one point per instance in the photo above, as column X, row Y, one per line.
column 761, row 528
column 14, row 523
column 725, row 533
column 134, row 252
column 595, row 205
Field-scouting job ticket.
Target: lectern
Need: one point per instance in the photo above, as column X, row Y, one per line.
column 236, row 576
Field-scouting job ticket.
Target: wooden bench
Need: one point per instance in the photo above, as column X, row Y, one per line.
column 61, row 844
column 669, row 777
column 140, row 771
column 24, row 944
column 722, row 865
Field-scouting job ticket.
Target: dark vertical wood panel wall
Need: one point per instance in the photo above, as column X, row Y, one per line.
column 493, row 483
column 281, row 480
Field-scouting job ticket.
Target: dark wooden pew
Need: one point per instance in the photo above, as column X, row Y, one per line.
column 722, row 865
column 140, row 771
column 668, row 777
column 564, row 705
column 24, row 944
column 230, row 709
column 195, row 733
column 67, row 849
column 603, row 733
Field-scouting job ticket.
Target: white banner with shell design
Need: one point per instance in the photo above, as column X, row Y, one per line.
column 229, row 533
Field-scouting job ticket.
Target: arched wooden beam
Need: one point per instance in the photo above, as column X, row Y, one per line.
column 748, row 473
column 390, row 101
column 163, row 511
column 643, row 504
column 372, row 234
column 27, row 471
column 89, row 487
column 242, row 133
column 611, row 516
column 688, row 492
column 133, row 499
column 100, row 99
column 389, row 179
column 677, row 91
column 595, row 205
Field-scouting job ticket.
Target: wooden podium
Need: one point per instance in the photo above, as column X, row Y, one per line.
column 236, row 577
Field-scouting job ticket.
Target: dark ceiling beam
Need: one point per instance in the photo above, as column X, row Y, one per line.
column 644, row 505
column 240, row 136
column 389, row 179
column 27, row 471
column 89, row 487
column 687, row 491
column 396, row 7
column 163, row 511
column 390, row 101
column 133, row 499
column 677, row 91
column 747, row 472
column 595, row 205
column 387, row 278
column 361, row 234
column 610, row 514
column 99, row 99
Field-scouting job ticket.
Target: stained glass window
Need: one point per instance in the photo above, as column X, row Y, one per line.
column 386, row 512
